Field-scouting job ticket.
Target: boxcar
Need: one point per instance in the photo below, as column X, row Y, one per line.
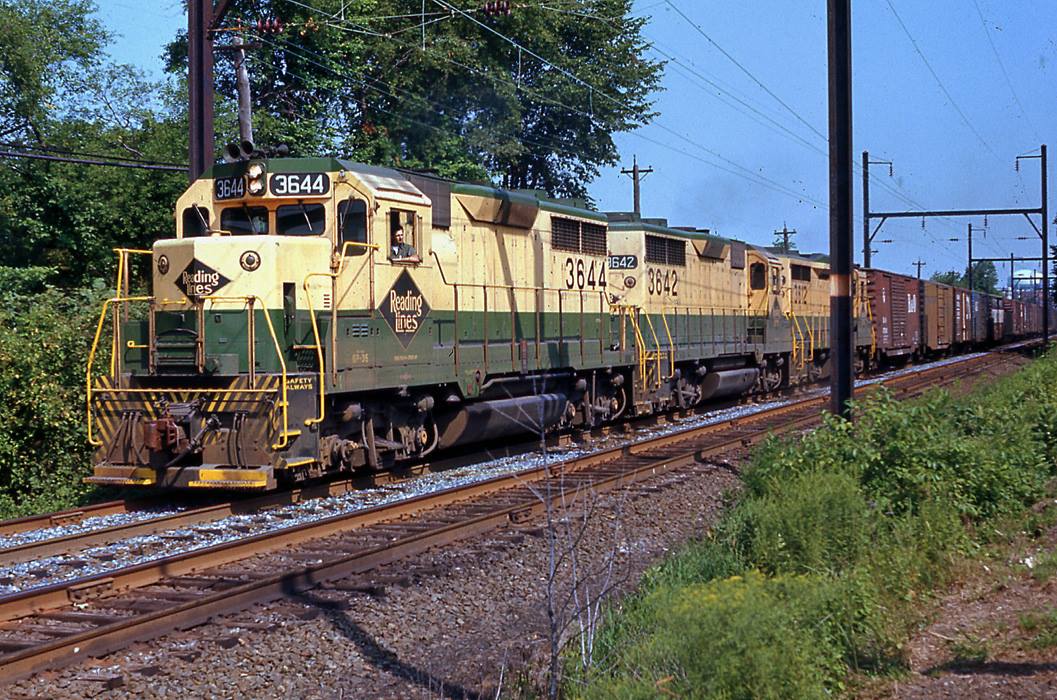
column 895, row 313
column 963, row 329
column 938, row 322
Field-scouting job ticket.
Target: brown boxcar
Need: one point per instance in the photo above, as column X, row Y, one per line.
column 895, row 309
column 981, row 317
column 938, row 321
column 963, row 330
column 996, row 331
column 1014, row 317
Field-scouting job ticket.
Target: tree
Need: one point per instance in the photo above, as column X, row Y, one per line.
column 42, row 42
column 985, row 277
column 57, row 92
column 951, row 277
column 452, row 93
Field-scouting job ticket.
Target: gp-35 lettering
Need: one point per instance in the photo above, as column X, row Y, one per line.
column 581, row 275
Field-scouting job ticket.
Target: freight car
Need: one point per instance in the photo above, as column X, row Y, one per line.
column 314, row 316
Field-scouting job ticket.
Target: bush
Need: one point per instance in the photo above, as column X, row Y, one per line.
column 837, row 535
column 45, row 335
column 739, row 637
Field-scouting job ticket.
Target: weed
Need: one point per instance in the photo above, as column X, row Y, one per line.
column 819, row 568
column 1042, row 626
column 969, row 650
column 1045, row 566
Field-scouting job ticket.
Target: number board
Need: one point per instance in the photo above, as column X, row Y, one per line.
column 299, row 184
column 623, row 262
column 229, row 187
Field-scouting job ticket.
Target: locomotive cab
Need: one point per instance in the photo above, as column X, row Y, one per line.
column 216, row 380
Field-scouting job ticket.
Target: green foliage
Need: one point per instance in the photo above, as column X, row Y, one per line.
column 1045, row 566
column 456, row 97
column 59, row 93
column 739, row 637
column 836, row 537
column 969, row 650
column 45, row 335
column 42, row 43
column 1042, row 625
column 985, row 277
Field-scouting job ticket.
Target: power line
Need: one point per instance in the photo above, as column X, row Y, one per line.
column 746, row 71
column 1005, row 73
column 83, row 161
column 939, row 82
column 748, row 173
column 85, row 154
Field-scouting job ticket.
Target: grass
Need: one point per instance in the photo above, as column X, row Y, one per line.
column 969, row 650
column 1045, row 567
column 1042, row 626
column 818, row 570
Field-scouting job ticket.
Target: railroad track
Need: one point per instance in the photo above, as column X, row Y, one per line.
column 51, row 626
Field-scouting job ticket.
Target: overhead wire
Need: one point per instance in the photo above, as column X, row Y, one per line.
column 374, row 85
column 936, row 77
column 30, row 155
column 1002, row 65
column 745, row 70
column 741, row 170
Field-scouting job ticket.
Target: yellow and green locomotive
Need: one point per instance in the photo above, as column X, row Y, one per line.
column 317, row 315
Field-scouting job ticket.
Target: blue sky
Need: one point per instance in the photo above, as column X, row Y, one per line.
column 952, row 146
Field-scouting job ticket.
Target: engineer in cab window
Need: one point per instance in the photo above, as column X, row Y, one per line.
column 400, row 251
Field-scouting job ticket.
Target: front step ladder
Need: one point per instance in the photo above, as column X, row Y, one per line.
column 651, row 359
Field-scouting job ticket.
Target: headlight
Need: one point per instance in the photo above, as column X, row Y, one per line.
column 163, row 264
column 255, row 173
column 250, row 260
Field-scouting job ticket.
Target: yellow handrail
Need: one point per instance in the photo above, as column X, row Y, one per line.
column 89, row 390
column 315, row 325
column 671, row 345
column 91, row 359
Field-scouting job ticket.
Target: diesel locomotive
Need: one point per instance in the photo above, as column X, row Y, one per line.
column 315, row 316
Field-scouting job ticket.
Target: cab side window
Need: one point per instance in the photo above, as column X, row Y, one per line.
column 758, row 276
column 300, row 220
column 403, row 236
column 195, row 221
column 352, row 226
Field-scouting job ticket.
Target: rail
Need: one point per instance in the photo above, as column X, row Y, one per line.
column 204, row 588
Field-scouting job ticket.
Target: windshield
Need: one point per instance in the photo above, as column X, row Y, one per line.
column 240, row 220
column 300, row 219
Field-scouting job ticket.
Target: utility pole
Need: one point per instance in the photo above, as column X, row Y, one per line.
column 785, row 233
column 840, row 201
column 637, row 174
column 1045, row 256
column 202, row 18
column 865, row 208
column 867, row 237
column 919, row 263
column 1011, row 278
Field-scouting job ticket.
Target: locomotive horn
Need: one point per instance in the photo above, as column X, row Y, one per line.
column 232, row 153
column 246, row 149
